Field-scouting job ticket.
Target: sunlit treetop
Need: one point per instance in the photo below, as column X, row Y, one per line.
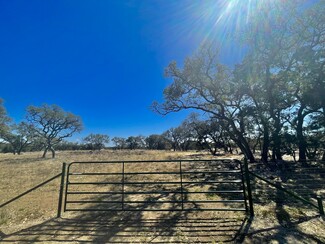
column 238, row 19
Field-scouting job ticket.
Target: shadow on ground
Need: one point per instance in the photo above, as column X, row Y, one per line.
column 134, row 227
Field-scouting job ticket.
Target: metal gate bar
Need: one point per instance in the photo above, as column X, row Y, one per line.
column 207, row 176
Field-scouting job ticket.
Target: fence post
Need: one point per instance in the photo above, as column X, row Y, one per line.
column 123, row 179
column 249, row 190
column 244, row 187
column 320, row 205
column 181, row 178
column 61, row 190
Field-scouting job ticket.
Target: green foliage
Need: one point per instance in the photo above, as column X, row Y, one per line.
column 51, row 124
column 96, row 141
column 180, row 138
column 209, row 134
column 157, row 142
column 4, row 120
column 119, row 142
column 206, row 85
column 135, row 142
column 19, row 137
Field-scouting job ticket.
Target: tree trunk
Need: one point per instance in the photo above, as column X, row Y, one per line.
column 245, row 149
column 53, row 152
column 213, row 149
column 250, row 155
column 20, row 149
column 230, row 149
column 323, row 157
column 277, row 138
column 241, row 141
column 273, row 155
column 294, row 156
column 275, row 114
column 302, row 145
column 266, row 144
column 248, row 151
column 44, row 153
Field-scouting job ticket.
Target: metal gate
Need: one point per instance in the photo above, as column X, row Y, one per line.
column 167, row 185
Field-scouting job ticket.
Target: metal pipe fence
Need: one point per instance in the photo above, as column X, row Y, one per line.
column 164, row 185
column 297, row 183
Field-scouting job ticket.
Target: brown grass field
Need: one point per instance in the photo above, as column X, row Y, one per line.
column 32, row 218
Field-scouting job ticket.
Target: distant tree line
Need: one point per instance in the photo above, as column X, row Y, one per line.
column 47, row 127
column 191, row 134
column 196, row 132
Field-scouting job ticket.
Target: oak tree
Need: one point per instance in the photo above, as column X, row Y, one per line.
column 96, row 141
column 51, row 124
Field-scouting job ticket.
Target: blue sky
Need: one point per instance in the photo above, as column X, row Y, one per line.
column 102, row 60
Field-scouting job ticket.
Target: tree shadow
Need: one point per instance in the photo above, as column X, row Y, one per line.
column 136, row 225
column 133, row 227
column 307, row 182
column 282, row 234
column 286, row 230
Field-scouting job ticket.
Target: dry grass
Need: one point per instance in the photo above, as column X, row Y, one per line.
column 37, row 209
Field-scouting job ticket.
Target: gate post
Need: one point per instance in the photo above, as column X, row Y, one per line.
column 61, row 190
column 181, row 178
column 320, row 205
column 249, row 190
column 123, row 179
